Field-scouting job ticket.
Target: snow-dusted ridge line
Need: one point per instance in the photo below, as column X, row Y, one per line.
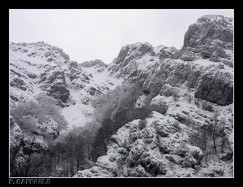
column 38, row 59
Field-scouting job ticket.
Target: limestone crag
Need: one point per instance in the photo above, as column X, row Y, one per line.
column 216, row 86
column 210, row 38
column 211, row 79
column 212, row 82
column 190, row 91
column 54, row 83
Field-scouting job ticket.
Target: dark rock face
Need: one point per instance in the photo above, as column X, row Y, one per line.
column 32, row 75
column 18, row 83
column 16, row 138
column 61, row 52
column 73, row 65
column 54, row 84
column 92, row 91
column 75, row 71
column 16, row 134
column 209, row 28
column 122, row 54
column 132, row 51
column 23, row 142
column 130, row 57
column 216, row 87
column 224, row 34
column 59, row 92
column 145, row 48
column 74, row 74
column 56, row 75
column 189, row 35
column 211, row 35
column 77, row 77
column 95, row 62
column 167, row 52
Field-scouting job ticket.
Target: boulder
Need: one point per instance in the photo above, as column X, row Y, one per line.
column 216, row 87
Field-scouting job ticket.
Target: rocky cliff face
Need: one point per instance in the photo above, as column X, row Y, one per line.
column 160, row 146
column 211, row 79
column 27, row 61
column 41, row 68
column 210, row 38
column 191, row 91
column 134, row 59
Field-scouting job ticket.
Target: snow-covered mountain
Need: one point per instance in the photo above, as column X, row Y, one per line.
column 190, row 92
column 39, row 67
column 194, row 89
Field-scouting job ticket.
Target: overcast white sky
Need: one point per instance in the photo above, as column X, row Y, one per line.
column 99, row 34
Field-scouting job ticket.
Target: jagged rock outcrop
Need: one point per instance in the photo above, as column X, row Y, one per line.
column 210, row 32
column 212, row 82
column 77, row 76
column 54, row 83
column 16, row 135
column 95, row 62
column 25, row 142
column 190, row 92
column 209, row 28
column 131, row 52
column 158, row 146
column 132, row 57
column 210, row 38
column 27, row 63
column 216, row 86
column 35, row 138
column 167, row 145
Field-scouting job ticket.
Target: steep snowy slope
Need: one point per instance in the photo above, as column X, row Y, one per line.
column 80, row 110
column 27, row 61
column 37, row 68
column 40, row 68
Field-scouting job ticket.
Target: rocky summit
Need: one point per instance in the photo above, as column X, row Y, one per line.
column 210, row 38
column 189, row 92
